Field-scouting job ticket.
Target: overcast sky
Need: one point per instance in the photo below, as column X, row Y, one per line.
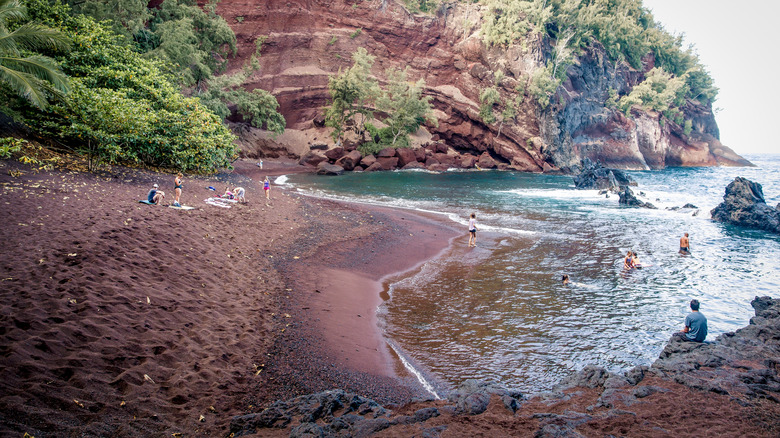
column 738, row 43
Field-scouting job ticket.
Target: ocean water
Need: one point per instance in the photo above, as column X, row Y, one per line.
column 499, row 311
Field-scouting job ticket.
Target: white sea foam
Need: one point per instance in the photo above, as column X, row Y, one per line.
column 417, row 374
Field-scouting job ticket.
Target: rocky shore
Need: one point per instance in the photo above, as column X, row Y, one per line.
column 725, row 387
column 122, row 319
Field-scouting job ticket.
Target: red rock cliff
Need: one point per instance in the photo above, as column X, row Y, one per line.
column 308, row 40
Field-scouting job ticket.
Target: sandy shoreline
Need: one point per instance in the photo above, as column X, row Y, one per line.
column 130, row 320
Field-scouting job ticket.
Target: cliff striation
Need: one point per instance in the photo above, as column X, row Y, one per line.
column 308, row 40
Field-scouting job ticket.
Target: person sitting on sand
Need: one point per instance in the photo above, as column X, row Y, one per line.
column 685, row 245
column 228, row 194
column 565, row 279
column 473, row 230
column 239, row 192
column 155, row 196
column 695, row 329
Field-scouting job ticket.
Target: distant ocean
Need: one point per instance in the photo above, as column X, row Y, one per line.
column 499, row 311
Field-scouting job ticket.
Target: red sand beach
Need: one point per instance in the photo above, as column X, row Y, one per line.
column 123, row 319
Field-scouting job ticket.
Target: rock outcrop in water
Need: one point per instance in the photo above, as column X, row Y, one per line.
column 628, row 199
column 309, row 40
column 596, row 176
column 744, row 205
column 738, row 370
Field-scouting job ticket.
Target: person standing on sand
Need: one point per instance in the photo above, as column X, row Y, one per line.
column 177, row 185
column 695, row 329
column 473, row 230
column 685, row 245
column 267, row 189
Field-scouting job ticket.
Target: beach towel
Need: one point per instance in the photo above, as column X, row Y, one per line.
column 144, row 201
column 219, row 202
column 182, row 207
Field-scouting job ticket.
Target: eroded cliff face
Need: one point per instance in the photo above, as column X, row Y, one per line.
column 308, row 40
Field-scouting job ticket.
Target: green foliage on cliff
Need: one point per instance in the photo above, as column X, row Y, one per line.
column 123, row 108
column 356, row 96
column 625, row 29
column 406, row 108
column 29, row 75
column 352, row 93
column 660, row 91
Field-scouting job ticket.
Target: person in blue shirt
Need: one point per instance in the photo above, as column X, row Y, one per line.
column 695, row 329
column 155, row 196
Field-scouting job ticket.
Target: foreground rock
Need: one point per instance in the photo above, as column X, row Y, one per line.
column 728, row 387
column 596, row 176
column 744, row 205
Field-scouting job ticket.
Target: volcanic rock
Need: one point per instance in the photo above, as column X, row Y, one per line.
column 596, row 176
column 405, row 156
column 744, row 205
column 349, row 161
column 628, row 199
column 326, row 168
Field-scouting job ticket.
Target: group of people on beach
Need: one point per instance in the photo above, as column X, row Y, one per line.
column 155, row 195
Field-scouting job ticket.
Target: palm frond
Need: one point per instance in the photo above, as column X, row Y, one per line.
column 11, row 10
column 24, row 85
column 39, row 66
column 32, row 36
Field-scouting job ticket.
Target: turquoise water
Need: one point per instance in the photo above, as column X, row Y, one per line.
column 499, row 311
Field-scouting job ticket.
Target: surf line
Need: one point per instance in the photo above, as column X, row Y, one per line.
column 417, row 374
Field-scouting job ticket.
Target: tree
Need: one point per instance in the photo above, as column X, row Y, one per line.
column 352, row 93
column 124, row 108
column 34, row 77
column 404, row 104
column 258, row 106
column 127, row 17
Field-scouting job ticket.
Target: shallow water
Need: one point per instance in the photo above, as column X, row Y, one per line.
column 499, row 311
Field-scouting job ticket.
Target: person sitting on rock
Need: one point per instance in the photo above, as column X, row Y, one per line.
column 695, row 329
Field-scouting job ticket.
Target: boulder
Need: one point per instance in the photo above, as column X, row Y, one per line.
column 414, row 165
column 386, row 153
column 387, row 163
column 367, row 161
column 430, row 161
column 468, row 161
column 744, row 205
column 326, row 168
column 312, row 159
column 335, row 153
column 596, row 176
column 628, row 199
column 485, row 161
column 420, row 154
column 405, row 156
column 449, row 160
column 473, row 396
column 440, row 148
column 374, row 167
column 349, row 161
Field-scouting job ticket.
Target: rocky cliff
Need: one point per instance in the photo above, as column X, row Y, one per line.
column 308, row 40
